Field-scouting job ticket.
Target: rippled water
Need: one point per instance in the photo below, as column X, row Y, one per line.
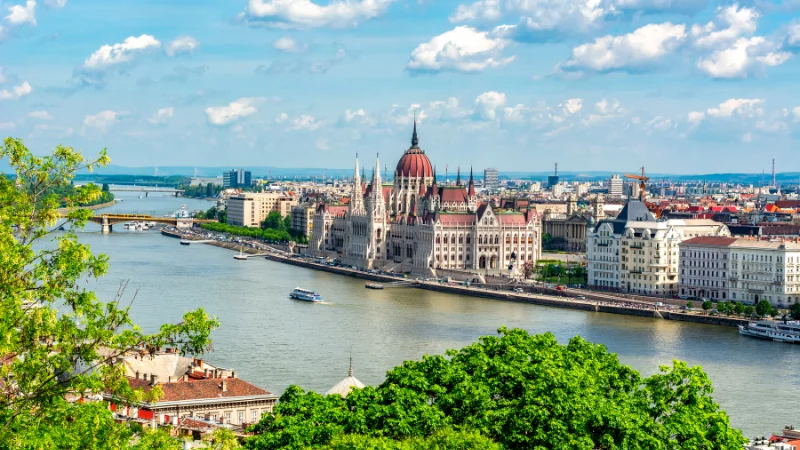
column 273, row 341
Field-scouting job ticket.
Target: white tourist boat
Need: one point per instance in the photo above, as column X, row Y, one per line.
column 788, row 331
column 241, row 256
column 305, row 295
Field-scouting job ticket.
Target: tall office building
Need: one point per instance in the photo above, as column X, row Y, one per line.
column 491, row 178
column 236, row 178
column 552, row 180
column 615, row 186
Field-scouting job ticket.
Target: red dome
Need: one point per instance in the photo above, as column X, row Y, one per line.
column 414, row 164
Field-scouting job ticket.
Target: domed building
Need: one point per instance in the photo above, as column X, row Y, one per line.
column 344, row 387
column 414, row 225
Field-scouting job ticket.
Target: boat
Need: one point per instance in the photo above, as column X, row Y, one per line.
column 305, row 295
column 185, row 242
column 373, row 286
column 241, row 256
column 786, row 331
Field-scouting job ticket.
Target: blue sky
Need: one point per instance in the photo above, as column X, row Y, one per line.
column 681, row 86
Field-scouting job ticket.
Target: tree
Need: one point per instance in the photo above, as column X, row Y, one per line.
column 748, row 310
column 707, row 305
column 722, row 307
column 519, row 391
column 56, row 325
column 209, row 190
column 287, row 222
column 528, row 268
column 105, row 187
column 763, row 308
column 689, row 305
column 273, row 222
column 794, row 310
column 739, row 308
column 222, row 439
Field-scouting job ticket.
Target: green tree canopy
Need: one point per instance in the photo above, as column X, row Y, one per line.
column 59, row 339
column 707, row 305
column 739, row 308
column 763, row 308
column 520, row 391
column 274, row 222
column 795, row 310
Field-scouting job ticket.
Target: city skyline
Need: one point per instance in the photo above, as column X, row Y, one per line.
column 610, row 85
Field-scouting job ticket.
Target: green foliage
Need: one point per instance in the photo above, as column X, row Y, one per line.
column 59, row 326
column 738, row 308
column 519, row 391
column 211, row 214
column 210, row 190
column 200, row 191
column 748, row 310
column 267, row 235
column 222, row 439
column 274, row 222
column 794, row 310
column 157, row 440
column 689, row 305
column 707, row 305
column 105, row 187
column 86, row 195
column 763, row 308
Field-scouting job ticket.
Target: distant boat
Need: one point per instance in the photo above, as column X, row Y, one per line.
column 184, row 242
column 373, row 286
column 305, row 295
column 241, row 256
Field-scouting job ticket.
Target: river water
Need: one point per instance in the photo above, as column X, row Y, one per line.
column 274, row 342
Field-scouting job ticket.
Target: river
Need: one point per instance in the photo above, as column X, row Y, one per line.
column 274, row 342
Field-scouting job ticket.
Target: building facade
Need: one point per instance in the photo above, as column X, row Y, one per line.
column 636, row 253
column 741, row 270
column 416, row 225
column 615, row 187
column 568, row 230
column 491, row 178
column 249, row 209
column 303, row 218
column 236, row 178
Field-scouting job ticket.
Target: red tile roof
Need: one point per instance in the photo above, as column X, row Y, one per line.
column 453, row 194
column 453, row 219
column 710, row 241
column 512, row 219
column 201, row 389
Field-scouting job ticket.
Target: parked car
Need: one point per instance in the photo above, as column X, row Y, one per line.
column 580, row 297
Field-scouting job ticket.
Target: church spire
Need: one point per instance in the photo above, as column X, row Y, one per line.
column 458, row 178
column 414, row 138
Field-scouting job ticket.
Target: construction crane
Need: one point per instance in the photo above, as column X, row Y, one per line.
column 642, row 183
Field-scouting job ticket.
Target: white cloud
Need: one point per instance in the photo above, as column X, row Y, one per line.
column 796, row 111
column 792, row 41
column 7, row 125
column 281, row 118
column 744, row 57
column 162, row 116
column 730, row 23
column 743, row 107
column 183, row 44
column 747, row 138
column 656, row 6
column 572, row 106
column 304, row 122
column 55, row 3
column 696, row 117
column 357, row 116
column 289, row 45
column 604, row 110
column 39, row 115
column 19, row 14
column 659, row 123
column 111, row 55
column 462, row 49
column 2, row 75
column 486, row 104
column 488, row 10
column 240, row 108
column 445, row 110
column 101, row 120
column 637, row 50
column 306, row 14
column 16, row 92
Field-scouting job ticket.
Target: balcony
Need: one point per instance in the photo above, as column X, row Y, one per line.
column 637, row 271
column 637, row 245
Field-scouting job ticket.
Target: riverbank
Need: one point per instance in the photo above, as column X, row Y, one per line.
column 93, row 207
column 557, row 299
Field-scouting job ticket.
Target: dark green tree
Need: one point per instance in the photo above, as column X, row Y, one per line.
column 274, row 222
column 689, row 304
column 739, row 308
column 105, row 187
column 209, row 190
column 749, row 310
column 707, row 305
column 520, row 391
column 794, row 310
column 763, row 308
column 287, row 222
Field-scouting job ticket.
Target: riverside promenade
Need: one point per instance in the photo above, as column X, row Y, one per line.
column 604, row 302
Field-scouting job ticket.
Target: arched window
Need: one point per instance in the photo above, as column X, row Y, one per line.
column 453, row 239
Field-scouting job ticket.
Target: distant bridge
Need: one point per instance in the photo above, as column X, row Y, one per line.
column 108, row 220
column 147, row 189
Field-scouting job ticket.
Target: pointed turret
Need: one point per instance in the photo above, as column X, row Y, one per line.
column 471, row 184
column 414, row 138
column 356, row 198
column 458, row 177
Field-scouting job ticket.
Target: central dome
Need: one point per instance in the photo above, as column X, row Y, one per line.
column 414, row 163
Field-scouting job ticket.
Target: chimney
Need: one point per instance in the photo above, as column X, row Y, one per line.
column 233, row 374
column 171, row 379
column 224, row 385
column 153, row 379
column 137, row 374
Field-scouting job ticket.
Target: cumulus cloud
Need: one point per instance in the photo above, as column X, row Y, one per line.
column 183, row 44
column 21, row 14
column 792, row 40
column 16, row 92
column 487, row 10
column 39, row 115
column 743, row 58
column 288, row 45
column 305, row 122
column 604, row 110
column 3, row 78
column 729, row 24
column 162, row 116
column 462, row 49
column 487, row 104
column 743, row 107
column 572, row 106
column 235, row 110
column 661, row 6
column 307, row 14
column 639, row 50
column 102, row 120
column 112, row 55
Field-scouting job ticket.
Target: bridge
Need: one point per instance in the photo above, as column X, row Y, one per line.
column 146, row 189
column 108, row 220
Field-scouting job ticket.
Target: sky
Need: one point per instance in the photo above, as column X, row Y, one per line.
column 677, row 86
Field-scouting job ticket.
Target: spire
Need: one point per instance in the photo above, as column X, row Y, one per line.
column 350, row 372
column 458, row 178
column 471, row 184
column 414, row 139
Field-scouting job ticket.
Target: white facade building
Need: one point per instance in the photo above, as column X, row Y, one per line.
column 745, row 270
column 636, row 253
column 615, row 186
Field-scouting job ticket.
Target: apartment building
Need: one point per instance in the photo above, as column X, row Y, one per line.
column 249, row 209
column 746, row 270
column 303, row 218
column 638, row 254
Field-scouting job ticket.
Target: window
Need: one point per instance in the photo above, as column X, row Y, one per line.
column 227, row 417
column 241, row 417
